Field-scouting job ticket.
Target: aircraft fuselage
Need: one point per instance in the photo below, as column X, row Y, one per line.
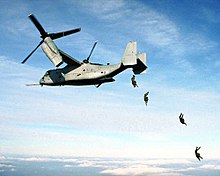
column 86, row 74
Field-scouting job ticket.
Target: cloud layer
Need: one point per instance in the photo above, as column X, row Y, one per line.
column 104, row 166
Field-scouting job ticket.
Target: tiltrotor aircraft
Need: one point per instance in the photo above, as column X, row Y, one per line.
column 82, row 73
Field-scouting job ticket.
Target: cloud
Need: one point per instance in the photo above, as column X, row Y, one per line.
column 137, row 170
column 68, row 166
column 121, row 166
column 44, row 159
column 203, row 167
column 210, row 166
column 152, row 26
column 109, row 7
column 164, row 37
column 36, row 159
column 2, row 158
column 5, row 167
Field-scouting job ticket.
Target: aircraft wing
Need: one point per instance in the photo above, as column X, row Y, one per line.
column 69, row 60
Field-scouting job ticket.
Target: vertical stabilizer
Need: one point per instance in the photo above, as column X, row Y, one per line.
column 129, row 57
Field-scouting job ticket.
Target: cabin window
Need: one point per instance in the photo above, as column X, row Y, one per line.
column 47, row 73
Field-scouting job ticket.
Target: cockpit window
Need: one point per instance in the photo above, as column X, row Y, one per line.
column 47, row 73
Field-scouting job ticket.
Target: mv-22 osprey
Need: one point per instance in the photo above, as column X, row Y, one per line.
column 82, row 73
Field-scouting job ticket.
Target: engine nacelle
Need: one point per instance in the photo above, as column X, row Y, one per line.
column 52, row 52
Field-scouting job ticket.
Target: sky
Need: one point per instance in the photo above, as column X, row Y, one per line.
column 181, row 40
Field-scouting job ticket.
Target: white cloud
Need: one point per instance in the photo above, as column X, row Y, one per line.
column 120, row 166
column 86, row 164
column 36, row 159
column 138, row 21
column 149, row 24
column 6, row 165
column 210, row 166
column 2, row 158
column 166, row 161
column 152, row 26
column 137, row 170
column 97, row 7
column 68, row 166
column 44, row 159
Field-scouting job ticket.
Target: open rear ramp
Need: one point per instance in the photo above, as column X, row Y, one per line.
column 141, row 65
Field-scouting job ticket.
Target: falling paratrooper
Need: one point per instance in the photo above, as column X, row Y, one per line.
column 198, row 156
column 146, row 98
column 182, row 119
column 133, row 81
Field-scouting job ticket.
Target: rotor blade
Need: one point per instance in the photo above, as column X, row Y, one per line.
column 91, row 51
column 32, row 52
column 38, row 25
column 62, row 34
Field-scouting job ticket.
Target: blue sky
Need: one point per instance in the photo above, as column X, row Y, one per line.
column 181, row 40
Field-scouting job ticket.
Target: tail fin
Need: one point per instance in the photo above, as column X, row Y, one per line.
column 134, row 60
column 129, row 57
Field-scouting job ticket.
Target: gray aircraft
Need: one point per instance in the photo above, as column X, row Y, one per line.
column 82, row 73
